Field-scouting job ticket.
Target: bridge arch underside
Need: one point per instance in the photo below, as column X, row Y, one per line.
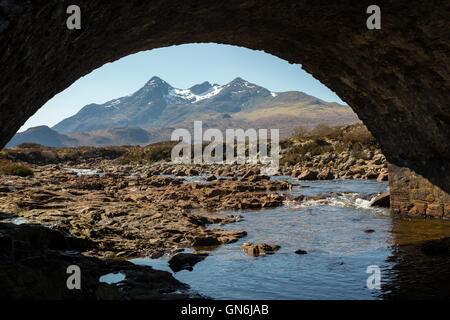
column 396, row 79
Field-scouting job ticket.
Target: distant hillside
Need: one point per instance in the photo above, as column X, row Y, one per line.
column 154, row 111
column 42, row 135
column 45, row 136
column 114, row 137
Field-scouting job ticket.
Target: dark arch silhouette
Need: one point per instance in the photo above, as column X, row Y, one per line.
column 396, row 79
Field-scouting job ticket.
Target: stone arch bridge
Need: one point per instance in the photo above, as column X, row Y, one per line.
column 397, row 79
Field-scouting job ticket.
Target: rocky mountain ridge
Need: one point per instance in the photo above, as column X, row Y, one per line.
column 154, row 111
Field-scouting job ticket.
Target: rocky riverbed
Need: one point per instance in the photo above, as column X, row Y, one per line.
column 118, row 212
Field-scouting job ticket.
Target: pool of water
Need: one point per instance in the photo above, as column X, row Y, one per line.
column 85, row 172
column 333, row 231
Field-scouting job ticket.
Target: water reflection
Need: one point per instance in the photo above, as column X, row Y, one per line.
column 416, row 274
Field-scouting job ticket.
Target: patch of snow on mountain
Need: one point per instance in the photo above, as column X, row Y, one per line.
column 112, row 104
column 273, row 94
column 209, row 93
column 186, row 94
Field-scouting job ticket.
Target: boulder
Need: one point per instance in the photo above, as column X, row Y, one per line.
column 298, row 198
column 383, row 200
column 308, row 174
column 205, row 241
column 186, row 261
column 326, row 174
column 370, row 175
column 260, row 249
column 379, row 159
column 192, row 172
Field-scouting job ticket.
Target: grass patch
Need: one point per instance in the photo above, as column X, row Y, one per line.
column 151, row 153
column 37, row 154
column 10, row 168
column 298, row 153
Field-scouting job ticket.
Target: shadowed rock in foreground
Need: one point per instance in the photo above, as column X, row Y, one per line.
column 186, row 261
column 34, row 262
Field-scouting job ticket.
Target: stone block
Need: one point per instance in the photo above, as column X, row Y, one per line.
column 418, row 209
column 435, row 210
column 447, row 211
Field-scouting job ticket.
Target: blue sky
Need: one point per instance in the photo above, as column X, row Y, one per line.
column 182, row 67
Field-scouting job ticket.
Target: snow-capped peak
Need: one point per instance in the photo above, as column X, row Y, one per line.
column 155, row 81
column 241, row 83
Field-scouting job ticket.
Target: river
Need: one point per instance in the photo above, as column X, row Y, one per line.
column 342, row 234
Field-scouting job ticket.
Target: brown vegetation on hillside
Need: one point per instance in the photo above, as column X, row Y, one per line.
column 10, row 168
column 304, row 144
column 152, row 153
column 37, row 154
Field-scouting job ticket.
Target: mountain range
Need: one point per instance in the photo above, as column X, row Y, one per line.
column 154, row 111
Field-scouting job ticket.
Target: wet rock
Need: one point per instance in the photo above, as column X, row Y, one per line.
column 186, row 261
column 261, row 249
column 211, row 178
column 383, row 200
column 369, row 231
column 299, row 251
column 298, row 198
column 315, row 198
column 205, row 241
